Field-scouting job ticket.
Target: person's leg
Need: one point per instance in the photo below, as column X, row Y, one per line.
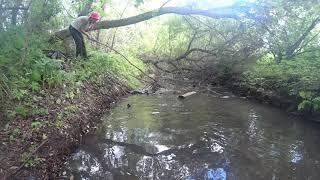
column 83, row 47
column 77, row 40
column 80, row 44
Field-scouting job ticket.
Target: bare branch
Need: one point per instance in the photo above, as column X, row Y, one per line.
column 192, row 39
column 307, row 51
column 165, row 4
column 305, row 44
column 115, row 32
column 194, row 50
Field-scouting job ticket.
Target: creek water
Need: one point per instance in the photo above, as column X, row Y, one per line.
column 200, row 137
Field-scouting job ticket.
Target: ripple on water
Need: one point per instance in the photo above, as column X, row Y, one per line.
column 199, row 138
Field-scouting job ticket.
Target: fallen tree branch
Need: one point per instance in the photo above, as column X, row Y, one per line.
column 213, row 13
column 160, row 68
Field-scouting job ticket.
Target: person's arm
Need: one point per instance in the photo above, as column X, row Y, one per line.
column 84, row 29
column 89, row 28
column 85, row 33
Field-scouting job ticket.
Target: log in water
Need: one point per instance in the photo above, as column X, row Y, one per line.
column 187, row 94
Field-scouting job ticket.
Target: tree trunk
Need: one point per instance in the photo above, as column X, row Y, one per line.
column 1, row 15
column 216, row 14
column 291, row 50
column 15, row 12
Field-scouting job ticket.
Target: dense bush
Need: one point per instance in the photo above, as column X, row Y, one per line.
column 299, row 76
column 25, row 70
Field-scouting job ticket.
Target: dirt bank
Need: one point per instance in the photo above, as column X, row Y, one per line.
column 37, row 146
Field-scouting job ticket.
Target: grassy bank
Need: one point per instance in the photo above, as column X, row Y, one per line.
column 48, row 104
column 294, row 81
column 297, row 77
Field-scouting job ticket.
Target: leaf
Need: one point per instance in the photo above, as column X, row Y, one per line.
column 316, row 104
column 21, row 110
column 35, row 76
column 70, row 95
column 305, row 105
column 305, row 94
column 58, row 101
column 35, row 86
column 36, row 124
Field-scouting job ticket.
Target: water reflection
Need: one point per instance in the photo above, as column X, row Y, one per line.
column 295, row 154
column 198, row 138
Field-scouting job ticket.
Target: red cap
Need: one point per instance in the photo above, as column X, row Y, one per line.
column 94, row 15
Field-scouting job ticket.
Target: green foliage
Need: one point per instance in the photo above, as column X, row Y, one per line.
column 42, row 13
column 21, row 110
column 4, row 87
column 32, row 162
column 46, row 70
column 138, row 3
column 26, row 71
column 101, row 63
column 59, row 123
column 19, row 62
column 170, row 37
column 36, row 125
column 15, row 133
column 316, row 104
column 48, row 73
column 29, row 160
column 299, row 77
column 39, row 111
column 285, row 22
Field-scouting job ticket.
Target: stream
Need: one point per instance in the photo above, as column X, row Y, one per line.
column 200, row 137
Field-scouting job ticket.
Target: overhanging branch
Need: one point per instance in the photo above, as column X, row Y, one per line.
column 106, row 24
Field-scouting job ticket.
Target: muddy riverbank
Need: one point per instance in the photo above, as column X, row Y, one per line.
column 38, row 146
column 284, row 101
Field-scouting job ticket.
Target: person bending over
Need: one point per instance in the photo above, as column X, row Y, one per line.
column 79, row 26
